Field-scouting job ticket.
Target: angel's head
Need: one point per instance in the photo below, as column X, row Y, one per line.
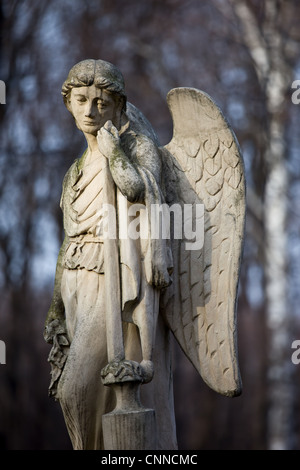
column 94, row 92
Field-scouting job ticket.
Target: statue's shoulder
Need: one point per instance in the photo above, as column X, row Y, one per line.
column 69, row 180
column 138, row 143
column 72, row 173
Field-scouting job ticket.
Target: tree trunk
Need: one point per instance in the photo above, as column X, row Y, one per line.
column 265, row 45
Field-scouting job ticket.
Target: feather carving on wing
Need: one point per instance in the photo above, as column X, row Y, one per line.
column 204, row 167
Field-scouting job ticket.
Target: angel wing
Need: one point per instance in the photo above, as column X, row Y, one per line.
column 204, row 164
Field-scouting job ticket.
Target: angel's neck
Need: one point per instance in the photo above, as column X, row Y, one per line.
column 93, row 151
column 91, row 142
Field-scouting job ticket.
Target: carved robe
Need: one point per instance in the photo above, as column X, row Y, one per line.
column 145, row 268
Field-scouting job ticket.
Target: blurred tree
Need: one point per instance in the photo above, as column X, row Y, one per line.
column 267, row 31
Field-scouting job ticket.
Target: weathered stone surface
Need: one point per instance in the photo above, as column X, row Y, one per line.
column 138, row 431
column 120, row 288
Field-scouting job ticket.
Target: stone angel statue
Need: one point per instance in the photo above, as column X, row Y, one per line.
column 123, row 283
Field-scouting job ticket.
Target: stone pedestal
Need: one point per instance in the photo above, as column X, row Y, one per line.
column 131, row 430
column 130, row 426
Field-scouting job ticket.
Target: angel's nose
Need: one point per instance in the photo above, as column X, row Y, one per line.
column 89, row 110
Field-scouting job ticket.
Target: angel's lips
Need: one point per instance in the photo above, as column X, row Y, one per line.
column 90, row 123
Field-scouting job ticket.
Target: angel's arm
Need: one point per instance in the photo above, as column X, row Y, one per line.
column 124, row 169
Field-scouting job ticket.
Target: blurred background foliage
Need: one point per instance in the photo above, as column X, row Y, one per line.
column 246, row 55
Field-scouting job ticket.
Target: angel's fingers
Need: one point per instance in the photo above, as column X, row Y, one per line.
column 99, row 133
column 102, row 133
column 108, row 125
column 114, row 131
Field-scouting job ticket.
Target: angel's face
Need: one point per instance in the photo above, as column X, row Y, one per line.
column 92, row 107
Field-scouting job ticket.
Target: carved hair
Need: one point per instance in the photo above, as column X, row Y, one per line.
column 95, row 72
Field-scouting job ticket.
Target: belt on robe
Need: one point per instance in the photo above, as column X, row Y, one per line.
column 86, row 238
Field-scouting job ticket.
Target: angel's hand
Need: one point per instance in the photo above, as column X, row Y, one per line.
column 108, row 139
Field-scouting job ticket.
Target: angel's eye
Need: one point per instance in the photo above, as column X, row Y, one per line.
column 81, row 99
column 101, row 104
